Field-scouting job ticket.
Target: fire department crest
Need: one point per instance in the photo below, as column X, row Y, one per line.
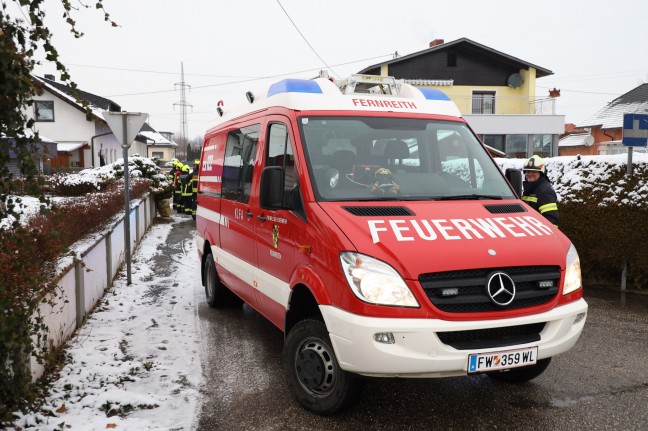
column 275, row 235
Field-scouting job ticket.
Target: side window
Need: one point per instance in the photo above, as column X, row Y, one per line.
column 238, row 166
column 280, row 153
column 43, row 110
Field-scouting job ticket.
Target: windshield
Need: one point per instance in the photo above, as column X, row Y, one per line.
column 375, row 158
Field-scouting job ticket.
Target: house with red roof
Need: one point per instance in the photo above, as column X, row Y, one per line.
column 603, row 131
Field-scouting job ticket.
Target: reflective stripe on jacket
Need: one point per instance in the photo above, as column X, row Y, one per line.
column 541, row 196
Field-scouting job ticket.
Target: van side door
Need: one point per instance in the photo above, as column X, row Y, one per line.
column 278, row 229
column 236, row 258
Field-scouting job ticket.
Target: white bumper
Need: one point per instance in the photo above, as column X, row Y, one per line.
column 418, row 352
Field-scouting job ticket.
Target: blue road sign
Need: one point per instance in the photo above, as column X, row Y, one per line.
column 635, row 130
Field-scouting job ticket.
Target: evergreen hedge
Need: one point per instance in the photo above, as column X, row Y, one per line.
column 604, row 212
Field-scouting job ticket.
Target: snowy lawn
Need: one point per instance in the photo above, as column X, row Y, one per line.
column 135, row 363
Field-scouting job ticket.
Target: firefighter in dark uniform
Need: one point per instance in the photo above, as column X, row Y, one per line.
column 194, row 188
column 538, row 191
column 186, row 189
column 183, row 170
column 176, row 180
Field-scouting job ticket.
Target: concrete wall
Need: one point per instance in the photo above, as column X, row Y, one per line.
column 83, row 283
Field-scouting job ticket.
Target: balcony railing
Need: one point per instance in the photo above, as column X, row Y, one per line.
column 471, row 105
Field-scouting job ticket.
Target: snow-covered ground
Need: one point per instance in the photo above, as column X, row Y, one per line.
column 135, row 363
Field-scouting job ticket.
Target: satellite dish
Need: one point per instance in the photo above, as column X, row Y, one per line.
column 589, row 140
column 515, row 80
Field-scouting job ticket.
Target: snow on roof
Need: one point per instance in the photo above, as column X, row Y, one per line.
column 69, row 146
column 611, row 116
column 29, row 133
column 576, row 140
column 157, row 139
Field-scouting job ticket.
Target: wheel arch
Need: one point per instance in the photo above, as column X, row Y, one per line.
column 306, row 295
column 303, row 305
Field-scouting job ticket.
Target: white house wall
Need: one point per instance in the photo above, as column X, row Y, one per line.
column 107, row 143
column 516, row 124
column 69, row 125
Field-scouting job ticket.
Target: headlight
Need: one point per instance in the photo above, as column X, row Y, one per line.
column 375, row 282
column 573, row 280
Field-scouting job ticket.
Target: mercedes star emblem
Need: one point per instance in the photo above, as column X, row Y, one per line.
column 501, row 289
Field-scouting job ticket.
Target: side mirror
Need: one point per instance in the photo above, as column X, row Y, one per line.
column 272, row 188
column 514, row 176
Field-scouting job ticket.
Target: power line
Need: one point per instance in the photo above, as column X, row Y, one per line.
column 305, row 40
column 585, row 92
column 155, row 71
column 248, row 80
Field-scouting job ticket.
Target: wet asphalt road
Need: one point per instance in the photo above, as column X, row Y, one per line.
column 601, row 384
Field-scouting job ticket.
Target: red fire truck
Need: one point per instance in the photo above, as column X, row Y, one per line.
column 368, row 222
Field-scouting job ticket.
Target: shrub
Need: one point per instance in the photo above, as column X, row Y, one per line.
column 604, row 212
column 28, row 256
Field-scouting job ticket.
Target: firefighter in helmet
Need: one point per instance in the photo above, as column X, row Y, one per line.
column 185, row 195
column 537, row 189
column 194, row 187
column 177, row 170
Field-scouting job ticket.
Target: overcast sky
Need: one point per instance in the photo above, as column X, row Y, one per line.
column 594, row 47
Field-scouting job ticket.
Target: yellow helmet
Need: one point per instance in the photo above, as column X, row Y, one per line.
column 185, row 168
column 535, row 163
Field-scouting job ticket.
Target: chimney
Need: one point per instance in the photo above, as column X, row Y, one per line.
column 50, row 77
column 436, row 42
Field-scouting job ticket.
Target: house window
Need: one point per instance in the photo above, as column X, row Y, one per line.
column 483, row 102
column 516, row 146
column 543, row 145
column 157, row 154
column 44, row 110
column 496, row 141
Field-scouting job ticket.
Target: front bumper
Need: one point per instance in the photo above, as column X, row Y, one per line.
column 418, row 352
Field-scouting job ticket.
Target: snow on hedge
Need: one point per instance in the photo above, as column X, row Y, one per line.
column 576, row 178
column 138, row 167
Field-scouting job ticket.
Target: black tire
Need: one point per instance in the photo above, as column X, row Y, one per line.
column 312, row 371
column 521, row 374
column 216, row 293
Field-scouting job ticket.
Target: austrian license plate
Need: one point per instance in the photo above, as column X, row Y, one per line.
column 493, row 361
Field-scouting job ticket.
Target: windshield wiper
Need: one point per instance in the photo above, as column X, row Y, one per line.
column 472, row 197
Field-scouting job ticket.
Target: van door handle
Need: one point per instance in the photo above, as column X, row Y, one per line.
column 249, row 214
column 261, row 219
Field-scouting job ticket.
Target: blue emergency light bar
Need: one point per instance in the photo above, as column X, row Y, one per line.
column 433, row 93
column 294, row 86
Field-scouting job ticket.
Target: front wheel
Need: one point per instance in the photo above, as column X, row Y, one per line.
column 521, row 374
column 312, row 371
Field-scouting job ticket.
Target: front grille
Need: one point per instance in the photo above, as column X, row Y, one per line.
column 379, row 211
column 472, row 296
column 492, row 337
